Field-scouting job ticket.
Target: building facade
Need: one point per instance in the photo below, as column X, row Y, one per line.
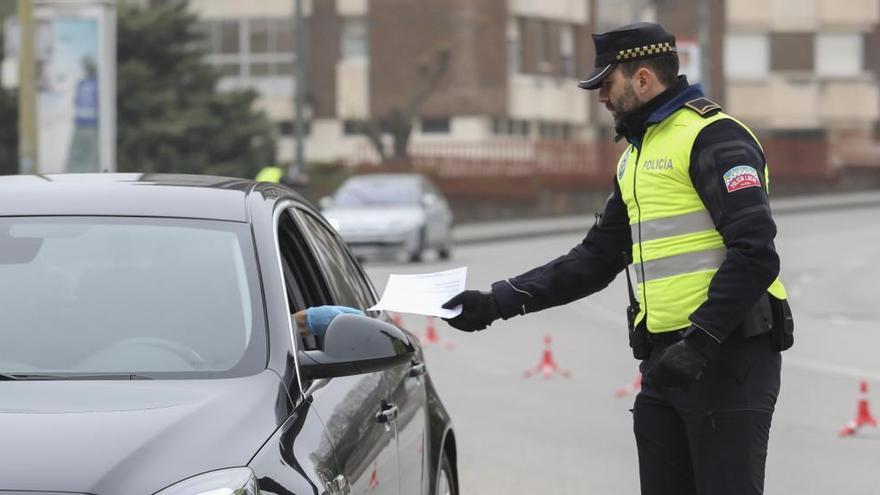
column 789, row 68
column 512, row 70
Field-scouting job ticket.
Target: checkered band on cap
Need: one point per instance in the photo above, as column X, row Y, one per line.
column 644, row 51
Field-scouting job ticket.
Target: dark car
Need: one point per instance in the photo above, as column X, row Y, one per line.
column 147, row 347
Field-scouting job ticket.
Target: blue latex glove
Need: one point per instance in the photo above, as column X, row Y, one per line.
column 319, row 317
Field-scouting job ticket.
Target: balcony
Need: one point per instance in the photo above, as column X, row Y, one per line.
column 571, row 11
column 801, row 15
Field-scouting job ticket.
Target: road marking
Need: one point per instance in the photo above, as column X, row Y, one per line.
column 831, row 369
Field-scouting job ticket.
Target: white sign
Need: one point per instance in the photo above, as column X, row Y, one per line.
column 76, row 86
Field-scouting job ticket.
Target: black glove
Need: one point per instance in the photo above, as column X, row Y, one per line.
column 478, row 310
column 682, row 363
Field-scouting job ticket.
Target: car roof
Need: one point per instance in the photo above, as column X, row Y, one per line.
column 160, row 195
column 386, row 177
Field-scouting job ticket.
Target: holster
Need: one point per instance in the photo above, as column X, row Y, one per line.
column 782, row 333
column 638, row 335
column 759, row 319
column 770, row 315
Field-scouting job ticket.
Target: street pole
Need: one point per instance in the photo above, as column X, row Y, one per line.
column 704, row 18
column 27, row 91
column 298, row 165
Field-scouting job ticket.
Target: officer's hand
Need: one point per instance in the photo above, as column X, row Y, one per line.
column 682, row 363
column 478, row 310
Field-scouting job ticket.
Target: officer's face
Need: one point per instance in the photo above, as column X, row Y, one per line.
column 618, row 95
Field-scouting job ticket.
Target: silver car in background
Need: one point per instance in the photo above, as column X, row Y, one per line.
column 391, row 214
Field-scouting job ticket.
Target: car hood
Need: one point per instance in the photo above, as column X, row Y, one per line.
column 134, row 437
column 379, row 218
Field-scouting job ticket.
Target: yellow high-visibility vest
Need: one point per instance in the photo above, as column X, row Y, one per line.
column 270, row 174
column 676, row 249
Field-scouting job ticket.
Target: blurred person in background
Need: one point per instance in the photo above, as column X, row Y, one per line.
column 83, row 155
column 278, row 174
column 708, row 317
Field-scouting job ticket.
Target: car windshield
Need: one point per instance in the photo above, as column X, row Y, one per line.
column 150, row 297
column 378, row 191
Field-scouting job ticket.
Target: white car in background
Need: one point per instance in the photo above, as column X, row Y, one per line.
column 391, row 214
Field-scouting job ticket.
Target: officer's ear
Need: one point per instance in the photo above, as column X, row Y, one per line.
column 643, row 81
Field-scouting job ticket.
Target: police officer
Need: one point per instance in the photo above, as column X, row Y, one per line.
column 689, row 211
column 270, row 173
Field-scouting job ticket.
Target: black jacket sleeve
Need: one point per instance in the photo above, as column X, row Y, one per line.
column 727, row 170
column 587, row 268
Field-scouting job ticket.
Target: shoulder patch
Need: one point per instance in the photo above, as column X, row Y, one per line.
column 703, row 106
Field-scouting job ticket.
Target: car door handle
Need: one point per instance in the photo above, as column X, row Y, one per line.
column 417, row 369
column 388, row 413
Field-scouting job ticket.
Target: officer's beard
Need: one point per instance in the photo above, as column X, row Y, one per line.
column 624, row 106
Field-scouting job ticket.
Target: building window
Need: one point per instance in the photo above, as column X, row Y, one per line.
column 355, row 41
column 287, row 129
column 510, row 127
column 435, row 125
column 250, row 47
column 566, row 50
column 839, row 54
column 352, row 127
column 229, row 42
column 542, row 48
column 746, row 56
column 514, row 47
column 791, row 52
column 259, row 35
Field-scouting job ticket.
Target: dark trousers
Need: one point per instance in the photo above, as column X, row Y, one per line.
column 711, row 439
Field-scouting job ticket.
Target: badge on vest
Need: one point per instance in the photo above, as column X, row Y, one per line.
column 621, row 167
column 741, row 177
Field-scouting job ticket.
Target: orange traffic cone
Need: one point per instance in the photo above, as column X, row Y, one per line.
column 374, row 478
column 863, row 414
column 632, row 388
column 548, row 365
column 397, row 319
column 432, row 337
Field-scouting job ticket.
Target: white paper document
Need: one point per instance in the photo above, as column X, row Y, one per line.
column 423, row 293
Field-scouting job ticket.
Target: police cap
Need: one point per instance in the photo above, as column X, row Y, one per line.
column 625, row 44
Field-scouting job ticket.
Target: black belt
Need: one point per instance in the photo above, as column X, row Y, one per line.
column 666, row 337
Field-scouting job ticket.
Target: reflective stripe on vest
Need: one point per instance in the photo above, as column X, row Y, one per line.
column 679, row 264
column 689, row 223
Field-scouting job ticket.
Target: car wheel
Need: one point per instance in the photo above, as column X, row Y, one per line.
column 445, row 252
column 446, row 478
column 417, row 253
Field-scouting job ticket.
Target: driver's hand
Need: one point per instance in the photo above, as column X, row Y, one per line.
column 314, row 321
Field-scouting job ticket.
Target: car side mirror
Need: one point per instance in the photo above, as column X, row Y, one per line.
column 354, row 345
column 429, row 199
column 325, row 202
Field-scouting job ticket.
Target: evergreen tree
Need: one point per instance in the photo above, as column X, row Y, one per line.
column 8, row 132
column 170, row 117
column 8, row 112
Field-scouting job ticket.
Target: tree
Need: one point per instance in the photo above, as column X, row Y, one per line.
column 398, row 121
column 8, row 113
column 170, row 116
column 8, row 132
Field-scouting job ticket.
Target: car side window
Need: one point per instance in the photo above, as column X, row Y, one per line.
column 345, row 281
column 302, row 277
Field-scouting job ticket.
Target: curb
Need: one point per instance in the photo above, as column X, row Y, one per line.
column 480, row 232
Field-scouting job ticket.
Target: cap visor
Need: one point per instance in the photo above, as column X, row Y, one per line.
column 595, row 77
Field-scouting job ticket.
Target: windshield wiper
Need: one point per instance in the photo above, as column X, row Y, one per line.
column 94, row 376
